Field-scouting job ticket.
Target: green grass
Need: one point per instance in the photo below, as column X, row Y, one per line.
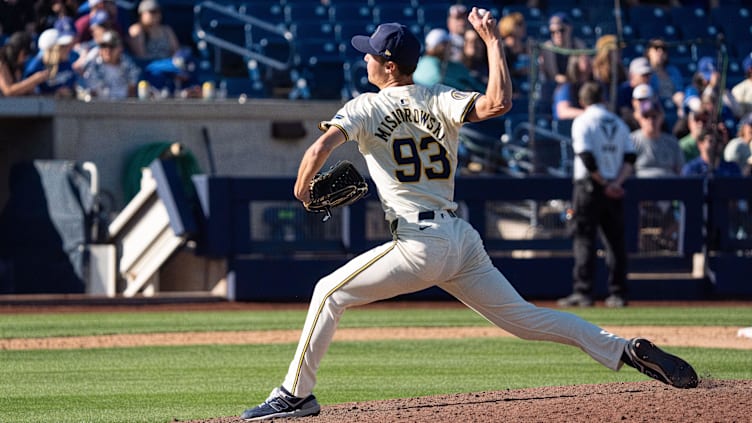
column 158, row 384
column 81, row 324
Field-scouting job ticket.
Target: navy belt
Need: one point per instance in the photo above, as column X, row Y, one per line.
column 424, row 215
column 430, row 215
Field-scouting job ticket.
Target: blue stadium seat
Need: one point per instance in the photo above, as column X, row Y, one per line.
column 237, row 86
column 433, row 15
column 313, row 29
column 344, row 12
column 401, row 13
column 326, row 78
column 345, row 30
column 317, row 49
column 269, row 11
column 300, row 12
column 357, row 78
column 692, row 22
column 645, row 15
column 666, row 31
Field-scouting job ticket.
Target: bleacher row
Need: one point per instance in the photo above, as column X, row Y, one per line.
column 315, row 40
column 320, row 34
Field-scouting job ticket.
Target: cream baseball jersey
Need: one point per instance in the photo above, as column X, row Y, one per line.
column 409, row 138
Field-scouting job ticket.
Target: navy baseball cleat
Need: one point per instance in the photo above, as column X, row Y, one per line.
column 644, row 356
column 282, row 404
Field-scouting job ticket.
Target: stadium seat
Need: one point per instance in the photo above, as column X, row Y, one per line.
column 357, row 78
column 692, row 22
column 433, row 15
column 317, row 48
column 395, row 13
column 359, row 12
column 325, row 78
column 313, row 29
column 645, row 15
column 301, row 12
column 268, row 11
column 345, row 30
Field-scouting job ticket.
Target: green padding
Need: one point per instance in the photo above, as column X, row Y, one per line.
column 147, row 153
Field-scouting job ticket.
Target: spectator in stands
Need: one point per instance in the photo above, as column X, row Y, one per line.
column 707, row 82
column 513, row 30
column 58, row 14
column 99, row 23
column 742, row 91
column 640, row 73
column 434, row 67
column 150, row 39
column 666, row 77
column 475, row 59
column 54, row 49
column 565, row 101
column 554, row 64
column 738, row 150
column 112, row 74
column 658, row 152
column 697, row 120
column 83, row 23
column 457, row 25
column 710, row 161
column 608, row 55
column 13, row 56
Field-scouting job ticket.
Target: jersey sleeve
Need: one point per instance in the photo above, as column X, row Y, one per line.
column 455, row 104
column 350, row 119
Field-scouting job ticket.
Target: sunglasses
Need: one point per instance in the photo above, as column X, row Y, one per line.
column 557, row 31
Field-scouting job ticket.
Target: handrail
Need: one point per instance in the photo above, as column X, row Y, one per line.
column 250, row 22
column 564, row 168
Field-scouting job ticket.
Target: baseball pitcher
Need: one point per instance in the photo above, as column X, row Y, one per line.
column 408, row 135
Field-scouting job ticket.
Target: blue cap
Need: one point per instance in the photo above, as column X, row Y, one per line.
column 746, row 120
column 747, row 63
column 391, row 41
column 99, row 17
column 562, row 17
column 65, row 24
column 706, row 66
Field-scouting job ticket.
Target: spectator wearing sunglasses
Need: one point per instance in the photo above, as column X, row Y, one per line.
column 666, row 77
column 553, row 64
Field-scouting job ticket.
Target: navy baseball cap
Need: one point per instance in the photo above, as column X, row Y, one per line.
column 391, row 41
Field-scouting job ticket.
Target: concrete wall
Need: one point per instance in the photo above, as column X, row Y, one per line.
column 106, row 133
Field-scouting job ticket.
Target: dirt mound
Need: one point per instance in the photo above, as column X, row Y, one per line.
column 711, row 401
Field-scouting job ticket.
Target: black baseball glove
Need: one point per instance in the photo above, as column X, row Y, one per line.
column 339, row 186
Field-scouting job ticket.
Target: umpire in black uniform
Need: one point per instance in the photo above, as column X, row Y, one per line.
column 604, row 159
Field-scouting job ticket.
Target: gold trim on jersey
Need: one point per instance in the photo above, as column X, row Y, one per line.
column 469, row 106
column 321, row 306
column 324, row 126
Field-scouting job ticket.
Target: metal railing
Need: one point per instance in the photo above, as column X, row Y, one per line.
column 257, row 36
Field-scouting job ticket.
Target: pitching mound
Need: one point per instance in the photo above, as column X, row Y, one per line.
column 711, row 401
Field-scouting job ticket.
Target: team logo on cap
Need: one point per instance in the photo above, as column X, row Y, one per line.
column 387, row 53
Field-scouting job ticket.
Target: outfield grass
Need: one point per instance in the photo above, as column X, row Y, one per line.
column 81, row 324
column 159, row 384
